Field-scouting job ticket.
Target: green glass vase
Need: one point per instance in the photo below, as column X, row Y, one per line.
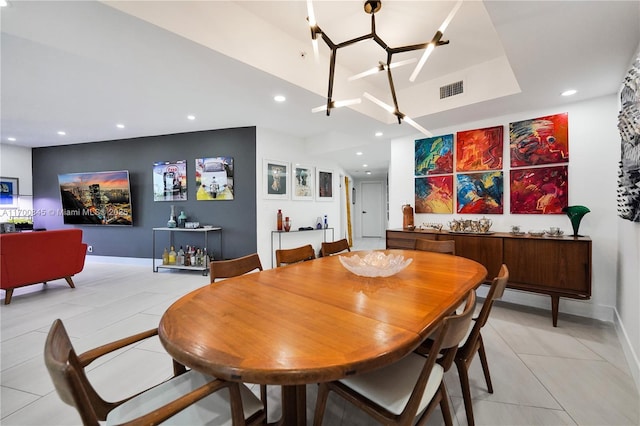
column 575, row 214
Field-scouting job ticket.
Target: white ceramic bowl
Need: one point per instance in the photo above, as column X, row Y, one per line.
column 375, row 264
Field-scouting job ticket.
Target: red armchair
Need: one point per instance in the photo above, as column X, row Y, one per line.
column 37, row 257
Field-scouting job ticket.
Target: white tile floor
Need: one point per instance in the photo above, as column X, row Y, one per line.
column 573, row 374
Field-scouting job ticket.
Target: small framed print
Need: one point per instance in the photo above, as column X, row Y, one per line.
column 302, row 178
column 214, row 178
column 276, row 179
column 8, row 192
column 324, row 179
column 170, row 180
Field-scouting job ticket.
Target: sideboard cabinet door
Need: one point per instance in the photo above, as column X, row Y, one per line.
column 484, row 250
column 549, row 265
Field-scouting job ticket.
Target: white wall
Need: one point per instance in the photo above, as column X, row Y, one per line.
column 276, row 146
column 15, row 162
column 628, row 294
column 594, row 154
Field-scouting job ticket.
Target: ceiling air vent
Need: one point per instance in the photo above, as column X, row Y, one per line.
column 451, row 89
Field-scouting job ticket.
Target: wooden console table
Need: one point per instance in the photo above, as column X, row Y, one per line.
column 280, row 233
column 556, row 266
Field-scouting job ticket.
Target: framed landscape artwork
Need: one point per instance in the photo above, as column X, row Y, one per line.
column 276, row 176
column 302, row 179
column 325, row 185
column 96, row 198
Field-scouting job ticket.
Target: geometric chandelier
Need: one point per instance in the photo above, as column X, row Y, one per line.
column 371, row 7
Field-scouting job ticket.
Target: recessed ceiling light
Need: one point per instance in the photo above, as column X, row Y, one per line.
column 359, row 153
column 279, row 98
column 120, row 126
column 378, row 134
column 11, row 139
column 191, row 117
column 4, row 3
column 62, row 133
column 365, row 165
column 569, row 92
column 367, row 173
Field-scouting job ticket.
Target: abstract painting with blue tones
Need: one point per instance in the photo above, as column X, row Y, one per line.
column 480, row 193
column 434, row 155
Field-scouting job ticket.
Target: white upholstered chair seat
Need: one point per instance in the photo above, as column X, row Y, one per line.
column 408, row 389
column 214, row 409
column 391, row 387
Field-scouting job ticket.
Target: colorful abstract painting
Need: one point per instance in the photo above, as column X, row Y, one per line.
column 541, row 190
column 480, row 149
column 434, row 156
column 480, row 193
column 543, row 140
column 434, row 194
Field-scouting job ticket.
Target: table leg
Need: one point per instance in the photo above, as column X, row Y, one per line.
column 294, row 406
column 153, row 250
column 555, row 301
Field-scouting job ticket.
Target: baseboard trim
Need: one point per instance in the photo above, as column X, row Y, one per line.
column 629, row 353
column 581, row 308
column 140, row 261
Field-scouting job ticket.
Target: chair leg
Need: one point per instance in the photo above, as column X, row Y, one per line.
column 444, row 405
column 321, row 404
column 7, row 296
column 463, row 373
column 435, row 401
column 70, row 281
column 485, row 365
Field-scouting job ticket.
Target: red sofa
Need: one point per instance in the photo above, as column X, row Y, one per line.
column 37, row 257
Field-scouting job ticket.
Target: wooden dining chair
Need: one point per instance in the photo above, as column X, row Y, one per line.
column 234, row 267
column 294, row 255
column 444, row 246
column 334, row 247
column 474, row 344
column 188, row 398
column 411, row 387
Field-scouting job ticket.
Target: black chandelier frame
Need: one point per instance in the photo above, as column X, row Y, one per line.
column 371, row 7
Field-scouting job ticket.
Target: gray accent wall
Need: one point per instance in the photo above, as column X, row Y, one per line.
column 237, row 217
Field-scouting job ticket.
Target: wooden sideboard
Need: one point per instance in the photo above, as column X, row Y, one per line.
column 556, row 266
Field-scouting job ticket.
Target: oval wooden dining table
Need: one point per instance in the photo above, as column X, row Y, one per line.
column 314, row 321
